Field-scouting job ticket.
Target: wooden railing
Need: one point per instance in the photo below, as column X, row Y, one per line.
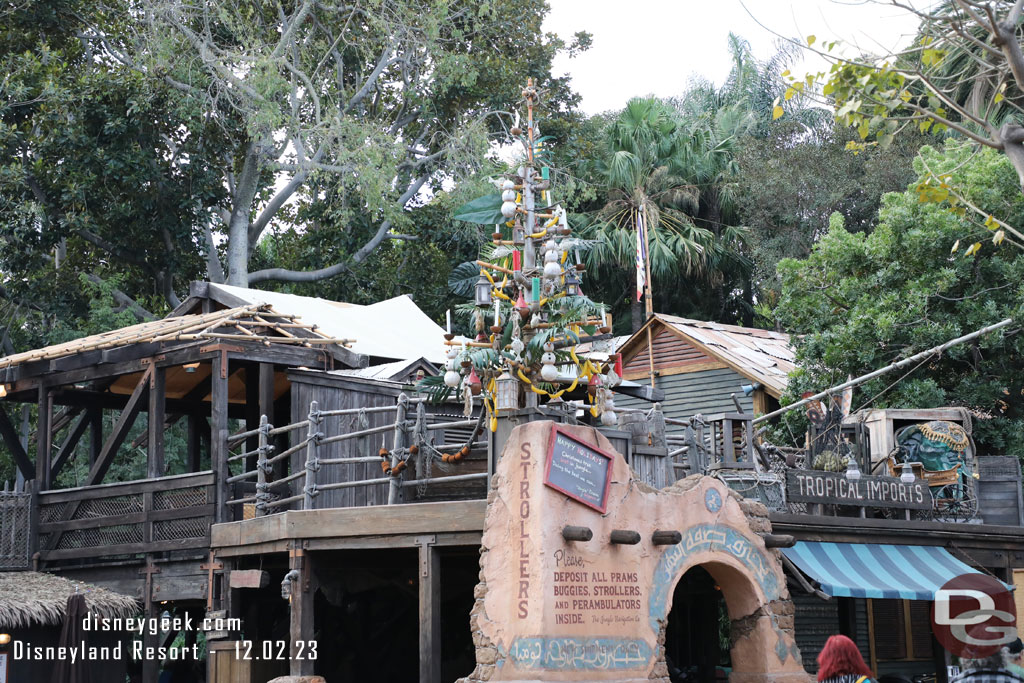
column 291, row 479
column 15, row 523
column 149, row 515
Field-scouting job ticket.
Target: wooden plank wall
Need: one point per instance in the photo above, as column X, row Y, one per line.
column 999, row 490
column 670, row 353
column 689, row 393
column 339, row 396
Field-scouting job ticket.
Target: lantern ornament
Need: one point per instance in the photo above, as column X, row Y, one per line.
column 506, row 392
column 483, row 292
column 572, row 283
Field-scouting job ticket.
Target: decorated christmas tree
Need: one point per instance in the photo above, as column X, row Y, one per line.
column 529, row 311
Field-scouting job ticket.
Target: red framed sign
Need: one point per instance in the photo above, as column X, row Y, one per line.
column 578, row 470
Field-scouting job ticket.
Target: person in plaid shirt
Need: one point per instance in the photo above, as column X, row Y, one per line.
column 991, row 669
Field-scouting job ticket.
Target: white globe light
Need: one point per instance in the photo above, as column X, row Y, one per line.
column 452, row 378
column 508, row 209
column 549, row 373
column 508, row 196
column 552, row 269
column 609, row 418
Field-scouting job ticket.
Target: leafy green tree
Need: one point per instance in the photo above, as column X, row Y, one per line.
column 963, row 74
column 359, row 108
column 789, row 183
column 861, row 301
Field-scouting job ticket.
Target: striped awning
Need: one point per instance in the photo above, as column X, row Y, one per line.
column 875, row 570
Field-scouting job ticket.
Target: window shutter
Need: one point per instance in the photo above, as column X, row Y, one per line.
column 890, row 629
column 921, row 629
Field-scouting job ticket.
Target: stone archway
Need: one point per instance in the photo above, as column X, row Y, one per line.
column 595, row 608
column 760, row 629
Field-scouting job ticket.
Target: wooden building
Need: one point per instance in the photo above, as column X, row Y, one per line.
column 701, row 365
column 287, row 513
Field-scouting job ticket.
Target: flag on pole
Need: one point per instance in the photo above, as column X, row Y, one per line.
column 641, row 256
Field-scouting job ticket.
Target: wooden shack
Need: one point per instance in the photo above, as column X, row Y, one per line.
column 701, row 365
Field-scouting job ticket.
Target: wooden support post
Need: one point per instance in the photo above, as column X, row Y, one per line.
column 312, row 465
column 303, row 592
column 194, row 442
column 120, row 431
column 43, row 437
column 155, row 421
column 14, row 445
column 261, row 468
column 95, row 434
column 150, row 638
column 266, row 391
column 67, row 449
column 398, row 441
column 219, row 433
column 430, row 610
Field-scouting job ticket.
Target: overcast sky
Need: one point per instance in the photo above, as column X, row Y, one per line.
column 646, row 47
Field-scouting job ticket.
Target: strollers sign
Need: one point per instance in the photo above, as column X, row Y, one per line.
column 813, row 486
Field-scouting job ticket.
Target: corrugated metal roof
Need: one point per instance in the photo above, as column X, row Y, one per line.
column 763, row 354
column 393, row 328
column 382, row 371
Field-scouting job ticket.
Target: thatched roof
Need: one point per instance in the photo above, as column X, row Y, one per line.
column 38, row 599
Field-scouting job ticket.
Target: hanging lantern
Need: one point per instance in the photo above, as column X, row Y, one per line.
column 572, row 283
column 483, row 291
column 518, row 234
column 475, row 385
column 506, row 392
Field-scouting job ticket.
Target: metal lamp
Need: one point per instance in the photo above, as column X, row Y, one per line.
column 572, row 283
column 907, row 475
column 506, row 392
column 483, row 291
column 852, row 470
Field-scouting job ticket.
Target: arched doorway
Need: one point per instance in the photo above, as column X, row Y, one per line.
column 722, row 624
column 697, row 632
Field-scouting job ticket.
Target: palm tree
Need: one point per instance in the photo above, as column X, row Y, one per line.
column 643, row 179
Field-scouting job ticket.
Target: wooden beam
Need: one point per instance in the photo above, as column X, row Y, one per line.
column 67, row 449
column 252, row 409
column 95, row 434
column 120, row 431
column 155, row 424
column 266, row 391
column 430, row 610
column 43, row 436
column 13, row 442
column 219, row 433
column 303, row 591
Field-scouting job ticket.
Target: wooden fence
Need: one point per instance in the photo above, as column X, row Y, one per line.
column 149, row 515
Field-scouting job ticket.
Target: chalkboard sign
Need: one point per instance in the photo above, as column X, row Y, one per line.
column 815, row 486
column 579, row 470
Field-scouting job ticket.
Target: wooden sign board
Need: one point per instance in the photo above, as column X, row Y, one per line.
column 579, row 470
column 833, row 488
column 248, row 578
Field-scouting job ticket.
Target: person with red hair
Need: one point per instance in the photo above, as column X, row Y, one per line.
column 840, row 661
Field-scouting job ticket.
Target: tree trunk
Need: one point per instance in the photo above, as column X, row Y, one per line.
column 241, row 211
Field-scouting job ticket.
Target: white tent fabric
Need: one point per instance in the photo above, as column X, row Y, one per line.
column 393, row 329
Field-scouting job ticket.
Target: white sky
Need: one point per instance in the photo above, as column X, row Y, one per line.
column 644, row 47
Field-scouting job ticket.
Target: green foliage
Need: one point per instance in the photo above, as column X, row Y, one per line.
column 862, row 301
column 484, row 210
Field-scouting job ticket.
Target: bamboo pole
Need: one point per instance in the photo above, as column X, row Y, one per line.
column 888, row 368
